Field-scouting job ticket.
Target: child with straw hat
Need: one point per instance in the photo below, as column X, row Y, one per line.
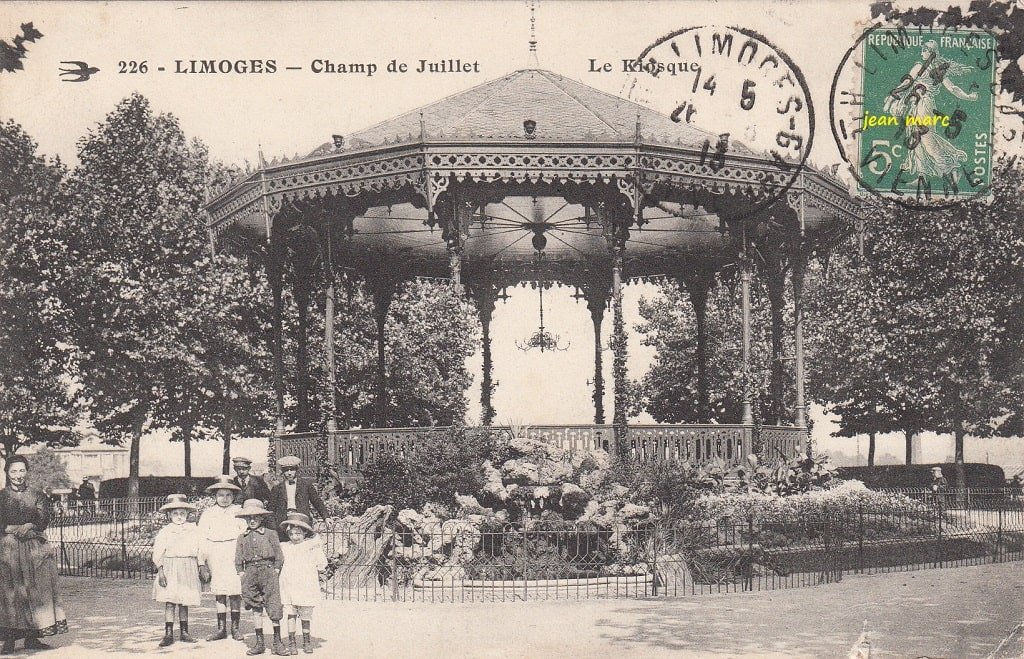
column 300, row 579
column 176, row 554
column 258, row 559
column 220, row 529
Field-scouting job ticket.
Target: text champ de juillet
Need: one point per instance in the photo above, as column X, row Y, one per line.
column 394, row 66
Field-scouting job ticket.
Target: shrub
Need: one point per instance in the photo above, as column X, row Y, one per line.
column 920, row 476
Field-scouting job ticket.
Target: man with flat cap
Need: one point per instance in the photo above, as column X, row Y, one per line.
column 250, row 487
column 294, row 493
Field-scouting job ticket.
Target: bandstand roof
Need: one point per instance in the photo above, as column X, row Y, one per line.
column 389, row 183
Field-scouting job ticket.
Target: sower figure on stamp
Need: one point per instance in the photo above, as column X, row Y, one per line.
column 249, row 486
column 294, row 494
column 258, row 560
column 220, row 528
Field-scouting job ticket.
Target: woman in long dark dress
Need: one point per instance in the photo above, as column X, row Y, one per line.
column 29, row 605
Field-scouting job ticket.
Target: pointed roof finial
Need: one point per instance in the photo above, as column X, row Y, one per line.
column 263, row 162
column 533, row 62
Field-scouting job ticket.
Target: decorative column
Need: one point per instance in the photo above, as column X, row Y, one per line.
column 597, row 298
column 301, row 289
column 698, row 284
column 329, row 358
column 485, row 308
column 775, row 279
column 383, row 289
column 619, row 373
column 275, row 272
column 799, row 269
column 745, row 267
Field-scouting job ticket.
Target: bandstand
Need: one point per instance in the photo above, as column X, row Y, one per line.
column 537, row 178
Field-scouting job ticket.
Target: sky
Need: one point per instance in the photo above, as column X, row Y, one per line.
column 291, row 112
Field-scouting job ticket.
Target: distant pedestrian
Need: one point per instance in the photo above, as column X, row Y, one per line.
column 86, row 491
column 939, row 483
column 177, row 555
column 294, row 493
column 249, row 486
column 304, row 557
column 258, row 559
column 220, row 528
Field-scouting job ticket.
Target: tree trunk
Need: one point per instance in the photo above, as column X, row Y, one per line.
column 909, row 435
column 186, row 438
column 960, row 472
column 226, row 430
column 871, row 449
column 133, row 456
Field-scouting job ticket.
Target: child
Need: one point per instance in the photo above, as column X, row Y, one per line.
column 220, row 529
column 258, row 559
column 300, row 582
column 176, row 556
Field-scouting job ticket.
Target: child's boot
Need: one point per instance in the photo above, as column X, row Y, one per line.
column 259, row 647
column 168, row 635
column 279, row 648
column 293, row 649
column 235, row 633
column 183, row 634
column 222, row 628
column 307, row 642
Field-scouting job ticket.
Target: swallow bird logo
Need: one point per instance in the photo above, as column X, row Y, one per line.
column 80, row 73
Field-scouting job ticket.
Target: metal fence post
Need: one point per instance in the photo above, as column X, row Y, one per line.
column 860, row 539
column 654, row 557
column 63, row 550
column 124, row 552
column 394, row 564
column 938, row 546
column 999, row 534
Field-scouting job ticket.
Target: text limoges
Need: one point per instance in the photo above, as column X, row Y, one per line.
column 225, row 66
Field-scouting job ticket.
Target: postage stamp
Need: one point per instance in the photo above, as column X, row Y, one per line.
column 920, row 113
column 928, row 112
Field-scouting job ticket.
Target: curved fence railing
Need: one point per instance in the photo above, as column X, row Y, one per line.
column 377, row 558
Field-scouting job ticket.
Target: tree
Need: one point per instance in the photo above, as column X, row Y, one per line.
column 928, row 329
column 36, row 361
column 218, row 365
column 669, row 389
column 134, row 204
column 47, row 471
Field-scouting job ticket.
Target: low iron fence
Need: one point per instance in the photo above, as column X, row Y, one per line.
column 376, row 558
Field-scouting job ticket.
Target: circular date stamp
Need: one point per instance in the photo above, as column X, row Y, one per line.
column 743, row 90
column 912, row 110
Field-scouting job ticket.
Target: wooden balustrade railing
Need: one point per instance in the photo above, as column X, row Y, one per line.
column 349, row 451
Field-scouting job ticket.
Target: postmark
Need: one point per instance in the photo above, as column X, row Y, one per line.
column 912, row 111
column 742, row 88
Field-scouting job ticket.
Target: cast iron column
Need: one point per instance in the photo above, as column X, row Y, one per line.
column 619, row 344
column 799, row 268
column 332, row 367
column 597, row 298
column 275, row 267
column 748, row 411
column 485, row 307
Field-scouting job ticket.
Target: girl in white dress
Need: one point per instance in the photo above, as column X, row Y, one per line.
column 176, row 554
column 304, row 557
column 220, row 529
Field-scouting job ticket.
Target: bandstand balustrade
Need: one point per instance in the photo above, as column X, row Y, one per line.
column 350, row 451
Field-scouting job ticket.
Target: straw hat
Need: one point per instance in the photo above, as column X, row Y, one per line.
column 223, row 482
column 177, row 502
column 252, row 508
column 297, row 519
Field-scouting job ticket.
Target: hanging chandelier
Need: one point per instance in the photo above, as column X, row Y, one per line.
column 542, row 339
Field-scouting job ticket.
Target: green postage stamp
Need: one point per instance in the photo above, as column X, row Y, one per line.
column 927, row 122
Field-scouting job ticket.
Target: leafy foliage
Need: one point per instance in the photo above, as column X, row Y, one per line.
column 35, row 359
column 47, row 471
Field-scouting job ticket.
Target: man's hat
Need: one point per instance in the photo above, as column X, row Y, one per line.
column 936, row 469
column 252, row 508
column 289, row 461
column 177, row 502
column 223, row 482
column 241, row 460
column 297, row 519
